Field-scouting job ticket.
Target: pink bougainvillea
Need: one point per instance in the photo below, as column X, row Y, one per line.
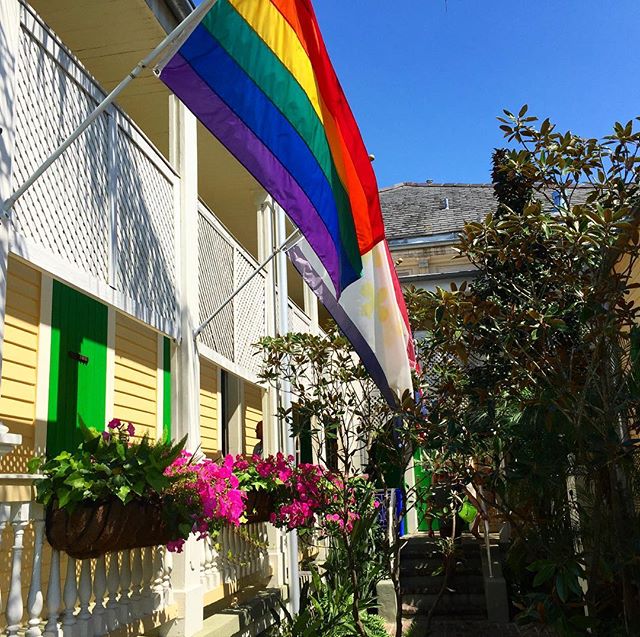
column 206, row 494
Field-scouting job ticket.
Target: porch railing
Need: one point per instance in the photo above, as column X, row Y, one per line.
column 49, row 593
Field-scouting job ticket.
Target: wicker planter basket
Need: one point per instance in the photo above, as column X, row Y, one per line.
column 91, row 531
column 260, row 505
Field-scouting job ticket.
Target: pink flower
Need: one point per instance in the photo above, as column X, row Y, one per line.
column 106, row 436
column 131, row 429
column 114, row 424
column 175, row 546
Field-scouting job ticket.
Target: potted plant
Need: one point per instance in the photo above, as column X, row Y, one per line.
column 107, row 494
column 115, row 493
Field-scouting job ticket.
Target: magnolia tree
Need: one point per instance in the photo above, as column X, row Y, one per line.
column 360, row 438
column 538, row 370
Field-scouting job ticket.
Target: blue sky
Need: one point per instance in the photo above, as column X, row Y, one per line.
column 427, row 78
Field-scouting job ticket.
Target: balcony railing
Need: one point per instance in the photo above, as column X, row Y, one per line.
column 107, row 207
column 108, row 203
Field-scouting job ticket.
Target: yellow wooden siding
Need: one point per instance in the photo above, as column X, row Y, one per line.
column 209, row 407
column 135, row 385
column 20, row 362
column 252, row 415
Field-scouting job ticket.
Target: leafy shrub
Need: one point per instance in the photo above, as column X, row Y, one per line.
column 106, row 464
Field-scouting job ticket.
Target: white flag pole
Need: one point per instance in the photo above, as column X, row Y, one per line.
column 190, row 21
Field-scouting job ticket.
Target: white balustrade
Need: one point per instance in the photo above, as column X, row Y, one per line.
column 93, row 598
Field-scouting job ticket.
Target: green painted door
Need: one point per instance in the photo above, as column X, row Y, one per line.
column 78, row 375
column 426, row 522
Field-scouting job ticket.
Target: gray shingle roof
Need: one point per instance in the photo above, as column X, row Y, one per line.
column 419, row 209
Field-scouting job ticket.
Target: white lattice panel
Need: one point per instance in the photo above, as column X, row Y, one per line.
column 215, row 285
column 66, row 211
column 250, row 317
column 298, row 321
column 146, row 248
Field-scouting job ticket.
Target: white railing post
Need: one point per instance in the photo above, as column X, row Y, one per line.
column 147, row 580
column 99, row 590
column 15, row 607
column 84, row 595
column 158, row 582
column 136, row 584
column 113, row 585
column 124, row 600
column 35, row 600
column 69, row 595
column 53, row 596
column 168, row 574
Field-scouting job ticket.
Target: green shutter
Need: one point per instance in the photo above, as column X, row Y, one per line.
column 78, row 373
column 166, row 389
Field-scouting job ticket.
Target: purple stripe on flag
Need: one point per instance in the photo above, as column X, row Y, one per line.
column 350, row 330
column 241, row 142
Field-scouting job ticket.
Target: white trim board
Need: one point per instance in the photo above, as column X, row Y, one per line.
column 30, row 252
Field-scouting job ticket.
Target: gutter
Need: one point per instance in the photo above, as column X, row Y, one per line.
column 431, row 239
column 180, row 8
column 170, row 13
column 435, row 276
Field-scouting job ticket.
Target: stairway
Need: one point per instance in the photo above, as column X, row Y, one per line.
column 464, row 596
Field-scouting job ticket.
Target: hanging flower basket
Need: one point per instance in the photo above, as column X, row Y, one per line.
column 260, row 505
column 93, row 530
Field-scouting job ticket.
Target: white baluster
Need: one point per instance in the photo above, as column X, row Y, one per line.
column 168, row 570
column 99, row 591
column 125, row 584
column 5, row 513
column 136, row 584
column 202, row 558
column 35, row 601
column 216, row 562
column 226, row 554
column 158, row 581
column 53, row 596
column 84, row 594
column 245, row 549
column 147, row 580
column 69, row 595
column 15, row 606
column 113, row 585
column 249, row 542
column 210, row 563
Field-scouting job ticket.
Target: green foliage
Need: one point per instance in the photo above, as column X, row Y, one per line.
column 512, row 190
column 534, row 370
column 103, row 466
column 324, row 610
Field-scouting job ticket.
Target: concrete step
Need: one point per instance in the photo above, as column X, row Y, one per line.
column 459, row 583
column 251, row 617
column 468, row 626
column 451, row 604
column 422, row 567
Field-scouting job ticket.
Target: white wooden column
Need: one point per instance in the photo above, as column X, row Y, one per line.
column 271, row 426
column 9, row 38
column 185, row 577
column 311, row 307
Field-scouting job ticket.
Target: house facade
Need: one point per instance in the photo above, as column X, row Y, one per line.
column 423, row 221
column 141, row 230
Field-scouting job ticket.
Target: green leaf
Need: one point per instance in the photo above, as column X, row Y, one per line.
column 123, row 493
column 34, row 464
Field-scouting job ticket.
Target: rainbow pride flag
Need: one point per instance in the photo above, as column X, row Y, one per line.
column 257, row 74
